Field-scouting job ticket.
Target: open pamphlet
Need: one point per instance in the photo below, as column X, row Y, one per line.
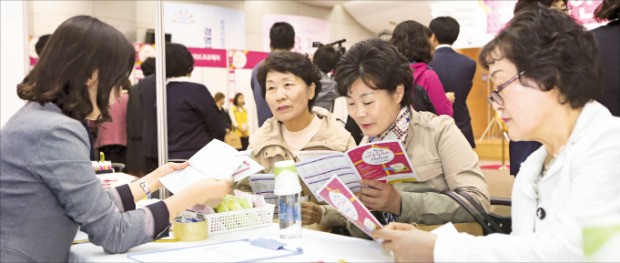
column 338, row 195
column 383, row 161
column 216, row 160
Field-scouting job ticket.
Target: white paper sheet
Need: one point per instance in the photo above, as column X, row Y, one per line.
column 216, row 160
column 233, row 251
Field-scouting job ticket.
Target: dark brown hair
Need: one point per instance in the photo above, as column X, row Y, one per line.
column 412, row 40
column 553, row 50
column 80, row 46
column 379, row 65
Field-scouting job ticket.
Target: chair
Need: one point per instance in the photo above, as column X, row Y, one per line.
column 118, row 167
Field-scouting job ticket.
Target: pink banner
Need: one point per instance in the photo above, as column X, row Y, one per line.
column 254, row 57
column 203, row 57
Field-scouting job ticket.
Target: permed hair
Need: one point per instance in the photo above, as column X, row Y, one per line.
column 291, row 62
column 379, row 65
column 553, row 50
column 326, row 58
column 412, row 40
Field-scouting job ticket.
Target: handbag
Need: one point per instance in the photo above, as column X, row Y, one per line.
column 490, row 223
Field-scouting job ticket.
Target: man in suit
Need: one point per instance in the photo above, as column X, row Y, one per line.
column 281, row 37
column 455, row 71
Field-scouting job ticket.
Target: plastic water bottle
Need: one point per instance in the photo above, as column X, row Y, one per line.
column 288, row 190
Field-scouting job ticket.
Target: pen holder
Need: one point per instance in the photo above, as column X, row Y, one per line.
column 191, row 231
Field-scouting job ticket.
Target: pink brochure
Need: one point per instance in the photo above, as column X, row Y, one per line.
column 335, row 193
column 384, row 161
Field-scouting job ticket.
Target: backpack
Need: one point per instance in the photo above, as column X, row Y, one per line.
column 421, row 101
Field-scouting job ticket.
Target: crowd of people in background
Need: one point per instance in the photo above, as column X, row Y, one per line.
column 553, row 82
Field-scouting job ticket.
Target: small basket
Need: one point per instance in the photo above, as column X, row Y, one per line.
column 240, row 219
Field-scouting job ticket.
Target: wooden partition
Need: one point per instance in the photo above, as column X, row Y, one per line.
column 481, row 113
column 479, row 109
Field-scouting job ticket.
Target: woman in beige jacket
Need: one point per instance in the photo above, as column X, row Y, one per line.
column 290, row 82
column 376, row 81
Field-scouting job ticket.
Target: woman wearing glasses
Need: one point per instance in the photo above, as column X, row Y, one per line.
column 547, row 85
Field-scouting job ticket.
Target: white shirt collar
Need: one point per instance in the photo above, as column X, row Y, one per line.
column 179, row 79
column 443, row 45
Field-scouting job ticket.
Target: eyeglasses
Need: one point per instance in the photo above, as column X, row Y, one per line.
column 566, row 10
column 495, row 97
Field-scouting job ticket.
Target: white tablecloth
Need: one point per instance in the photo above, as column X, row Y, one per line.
column 317, row 246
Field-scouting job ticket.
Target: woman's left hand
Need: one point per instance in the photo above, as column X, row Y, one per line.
column 380, row 196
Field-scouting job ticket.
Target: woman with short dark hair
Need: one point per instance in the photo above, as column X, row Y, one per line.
column 376, row 80
column 413, row 41
column 546, row 85
column 193, row 117
column 47, row 184
column 290, row 83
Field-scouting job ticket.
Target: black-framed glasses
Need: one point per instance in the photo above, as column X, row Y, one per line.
column 495, row 97
column 567, row 10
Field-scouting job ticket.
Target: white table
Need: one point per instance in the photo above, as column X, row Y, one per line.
column 317, row 246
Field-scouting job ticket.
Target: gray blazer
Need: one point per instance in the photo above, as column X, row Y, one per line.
column 48, row 189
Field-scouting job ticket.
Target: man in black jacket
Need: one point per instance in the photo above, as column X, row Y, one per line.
column 455, row 71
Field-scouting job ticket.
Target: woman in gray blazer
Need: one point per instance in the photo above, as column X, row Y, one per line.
column 47, row 185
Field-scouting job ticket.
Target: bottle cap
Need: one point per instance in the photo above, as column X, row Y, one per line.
column 286, row 179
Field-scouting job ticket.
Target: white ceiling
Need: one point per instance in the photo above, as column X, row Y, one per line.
column 377, row 16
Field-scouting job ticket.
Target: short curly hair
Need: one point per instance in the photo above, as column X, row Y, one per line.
column 553, row 50
column 326, row 58
column 179, row 61
column 412, row 39
column 379, row 65
column 292, row 62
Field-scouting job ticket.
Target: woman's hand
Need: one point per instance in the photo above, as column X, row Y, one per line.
column 380, row 196
column 164, row 170
column 311, row 213
column 152, row 179
column 407, row 242
column 215, row 191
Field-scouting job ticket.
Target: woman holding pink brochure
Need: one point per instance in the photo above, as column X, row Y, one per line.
column 377, row 81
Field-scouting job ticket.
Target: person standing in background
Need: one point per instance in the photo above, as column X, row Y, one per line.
column 134, row 161
column 220, row 100
column 112, row 135
column 281, row 37
column 326, row 58
column 413, row 41
column 455, row 71
column 239, row 117
column 607, row 38
column 193, row 117
column 38, row 47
